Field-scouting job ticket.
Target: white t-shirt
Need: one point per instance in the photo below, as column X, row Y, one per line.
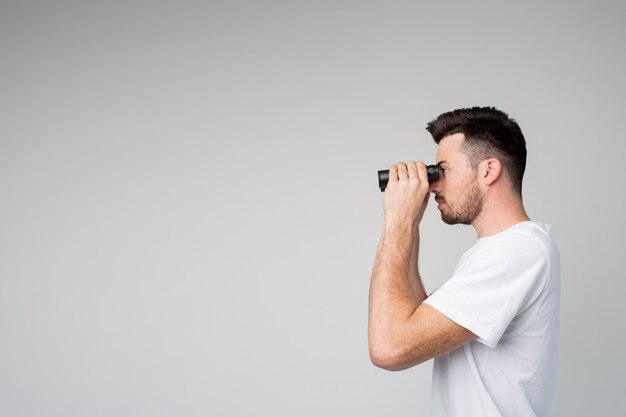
column 506, row 290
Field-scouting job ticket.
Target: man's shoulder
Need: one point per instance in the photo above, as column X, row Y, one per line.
column 523, row 243
column 524, row 235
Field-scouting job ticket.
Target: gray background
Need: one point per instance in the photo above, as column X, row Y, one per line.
column 189, row 209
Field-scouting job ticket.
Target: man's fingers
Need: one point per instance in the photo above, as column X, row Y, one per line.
column 422, row 174
column 393, row 174
column 410, row 170
column 403, row 174
column 412, row 167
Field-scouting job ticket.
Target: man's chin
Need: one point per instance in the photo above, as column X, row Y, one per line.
column 445, row 217
column 448, row 220
column 451, row 220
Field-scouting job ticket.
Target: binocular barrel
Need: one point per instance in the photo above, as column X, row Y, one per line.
column 383, row 176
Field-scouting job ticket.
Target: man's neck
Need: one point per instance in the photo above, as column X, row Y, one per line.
column 496, row 217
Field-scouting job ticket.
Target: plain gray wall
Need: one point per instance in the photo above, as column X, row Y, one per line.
column 189, row 208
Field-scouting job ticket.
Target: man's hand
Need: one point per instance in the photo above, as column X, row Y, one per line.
column 406, row 195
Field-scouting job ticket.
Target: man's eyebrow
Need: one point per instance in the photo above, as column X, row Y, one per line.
column 441, row 163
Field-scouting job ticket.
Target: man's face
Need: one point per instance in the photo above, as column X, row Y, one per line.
column 457, row 192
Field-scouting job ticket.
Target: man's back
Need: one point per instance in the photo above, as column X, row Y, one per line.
column 506, row 290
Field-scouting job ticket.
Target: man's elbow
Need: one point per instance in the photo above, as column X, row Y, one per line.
column 385, row 362
column 391, row 359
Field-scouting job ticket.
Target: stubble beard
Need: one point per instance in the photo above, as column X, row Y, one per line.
column 467, row 209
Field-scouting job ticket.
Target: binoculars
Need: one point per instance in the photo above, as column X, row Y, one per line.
column 383, row 176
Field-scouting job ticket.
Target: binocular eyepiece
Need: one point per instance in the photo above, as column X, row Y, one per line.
column 383, row 176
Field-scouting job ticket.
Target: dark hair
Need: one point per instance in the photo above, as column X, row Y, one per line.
column 489, row 133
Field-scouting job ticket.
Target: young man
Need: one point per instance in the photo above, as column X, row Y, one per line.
column 493, row 327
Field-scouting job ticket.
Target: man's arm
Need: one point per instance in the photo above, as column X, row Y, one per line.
column 402, row 331
column 419, row 294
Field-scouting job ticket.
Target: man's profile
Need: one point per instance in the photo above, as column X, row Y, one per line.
column 493, row 326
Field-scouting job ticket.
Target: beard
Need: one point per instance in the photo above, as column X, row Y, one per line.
column 467, row 209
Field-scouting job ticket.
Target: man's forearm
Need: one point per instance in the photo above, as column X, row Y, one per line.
column 402, row 332
column 392, row 300
column 419, row 294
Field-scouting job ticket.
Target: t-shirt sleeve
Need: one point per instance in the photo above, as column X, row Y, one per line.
column 492, row 285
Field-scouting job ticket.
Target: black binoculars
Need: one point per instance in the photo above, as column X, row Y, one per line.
column 383, row 176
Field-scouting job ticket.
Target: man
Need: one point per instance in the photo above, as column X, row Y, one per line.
column 493, row 327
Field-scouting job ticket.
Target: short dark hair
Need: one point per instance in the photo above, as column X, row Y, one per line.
column 489, row 133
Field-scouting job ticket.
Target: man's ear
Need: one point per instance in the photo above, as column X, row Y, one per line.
column 490, row 170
